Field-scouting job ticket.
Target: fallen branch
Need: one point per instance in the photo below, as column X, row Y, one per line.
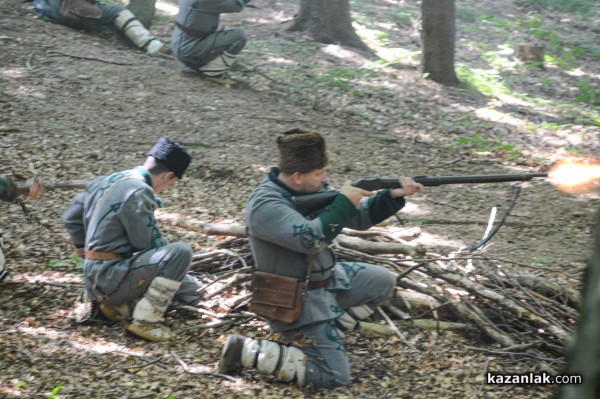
column 82, row 57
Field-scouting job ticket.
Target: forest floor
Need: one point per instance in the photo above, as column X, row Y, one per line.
column 76, row 105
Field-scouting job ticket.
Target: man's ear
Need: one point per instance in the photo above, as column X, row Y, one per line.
column 297, row 178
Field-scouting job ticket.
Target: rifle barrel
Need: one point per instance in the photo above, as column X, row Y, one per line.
column 378, row 183
column 51, row 185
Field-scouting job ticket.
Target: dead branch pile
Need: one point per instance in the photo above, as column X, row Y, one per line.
column 526, row 314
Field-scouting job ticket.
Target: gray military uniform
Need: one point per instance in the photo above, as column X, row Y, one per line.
column 282, row 239
column 203, row 40
column 115, row 214
column 50, row 9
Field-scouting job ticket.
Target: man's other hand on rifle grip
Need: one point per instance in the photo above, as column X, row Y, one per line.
column 409, row 187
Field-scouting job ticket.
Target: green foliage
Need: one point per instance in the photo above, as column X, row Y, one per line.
column 574, row 6
column 478, row 143
column 589, row 91
column 163, row 19
column 55, row 391
column 487, row 82
column 465, row 13
column 73, row 264
column 343, row 79
column 543, row 260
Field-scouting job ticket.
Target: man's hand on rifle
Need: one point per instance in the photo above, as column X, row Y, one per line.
column 36, row 189
column 354, row 194
column 409, row 187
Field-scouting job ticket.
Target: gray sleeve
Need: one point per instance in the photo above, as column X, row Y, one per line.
column 139, row 222
column 219, row 6
column 73, row 220
column 272, row 218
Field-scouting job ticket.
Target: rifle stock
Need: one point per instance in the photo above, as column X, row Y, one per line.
column 310, row 203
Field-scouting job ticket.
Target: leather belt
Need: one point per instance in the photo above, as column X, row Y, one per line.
column 102, row 255
column 315, row 285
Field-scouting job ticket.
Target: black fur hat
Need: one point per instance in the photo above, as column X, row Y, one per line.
column 172, row 154
column 301, row 150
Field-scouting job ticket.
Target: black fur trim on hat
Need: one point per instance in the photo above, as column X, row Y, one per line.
column 172, row 154
column 301, row 150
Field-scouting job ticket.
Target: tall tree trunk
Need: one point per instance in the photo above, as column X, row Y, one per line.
column 143, row 10
column 438, row 37
column 584, row 350
column 328, row 22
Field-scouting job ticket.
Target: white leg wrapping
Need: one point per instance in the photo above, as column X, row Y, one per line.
column 268, row 357
column 137, row 33
column 250, row 353
column 219, row 65
column 346, row 322
column 293, row 365
column 4, row 275
column 361, row 312
column 151, row 308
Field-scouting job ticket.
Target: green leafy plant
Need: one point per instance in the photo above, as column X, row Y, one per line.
column 588, row 92
column 73, row 263
column 478, row 143
column 544, row 260
column 488, row 82
column 55, row 391
column 574, row 6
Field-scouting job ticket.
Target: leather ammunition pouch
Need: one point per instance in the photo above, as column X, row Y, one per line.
column 276, row 297
column 79, row 14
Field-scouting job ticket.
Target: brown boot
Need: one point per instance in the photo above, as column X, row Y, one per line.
column 116, row 313
column 231, row 355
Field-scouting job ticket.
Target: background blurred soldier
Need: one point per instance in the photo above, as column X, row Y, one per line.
column 87, row 14
column 200, row 44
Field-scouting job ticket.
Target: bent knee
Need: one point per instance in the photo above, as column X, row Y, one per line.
column 181, row 250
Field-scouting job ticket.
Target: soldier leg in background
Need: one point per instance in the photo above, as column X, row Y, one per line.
column 132, row 28
column 225, row 46
column 86, row 14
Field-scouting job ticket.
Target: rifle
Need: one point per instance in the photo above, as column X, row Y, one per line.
column 12, row 189
column 308, row 204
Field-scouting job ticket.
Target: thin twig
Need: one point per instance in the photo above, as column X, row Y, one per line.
column 82, row 57
column 394, row 328
column 28, row 62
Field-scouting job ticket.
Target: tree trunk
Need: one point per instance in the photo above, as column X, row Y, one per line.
column 328, row 22
column 438, row 36
column 143, row 10
column 582, row 357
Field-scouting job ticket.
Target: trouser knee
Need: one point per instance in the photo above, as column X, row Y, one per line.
column 237, row 46
column 177, row 263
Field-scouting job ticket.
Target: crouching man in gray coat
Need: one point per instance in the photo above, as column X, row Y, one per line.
column 284, row 242
column 87, row 14
column 128, row 264
column 200, row 44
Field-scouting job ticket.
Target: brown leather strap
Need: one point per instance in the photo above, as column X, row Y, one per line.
column 315, row 285
column 102, row 255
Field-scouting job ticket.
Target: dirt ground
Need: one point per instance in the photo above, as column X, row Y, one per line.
column 76, row 105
